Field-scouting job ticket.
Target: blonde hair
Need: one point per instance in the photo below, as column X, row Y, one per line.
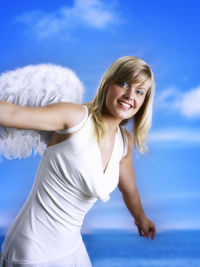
column 131, row 70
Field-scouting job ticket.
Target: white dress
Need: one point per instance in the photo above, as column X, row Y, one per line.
column 69, row 180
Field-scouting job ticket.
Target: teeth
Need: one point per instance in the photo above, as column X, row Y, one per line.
column 125, row 104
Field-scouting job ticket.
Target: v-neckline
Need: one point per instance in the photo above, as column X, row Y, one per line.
column 104, row 170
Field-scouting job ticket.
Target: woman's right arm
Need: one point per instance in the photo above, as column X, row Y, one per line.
column 52, row 117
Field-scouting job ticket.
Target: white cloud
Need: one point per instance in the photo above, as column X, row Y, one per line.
column 119, row 218
column 92, row 12
column 190, row 103
column 181, row 135
column 167, row 97
column 187, row 103
column 114, row 214
column 182, row 224
column 173, row 197
column 84, row 13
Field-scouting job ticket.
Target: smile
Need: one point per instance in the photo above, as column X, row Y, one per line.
column 125, row 104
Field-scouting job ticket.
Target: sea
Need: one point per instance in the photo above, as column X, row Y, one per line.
column 113, row 248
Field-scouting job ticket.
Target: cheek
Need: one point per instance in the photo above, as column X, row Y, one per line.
column 112, row 93
column 141, row 101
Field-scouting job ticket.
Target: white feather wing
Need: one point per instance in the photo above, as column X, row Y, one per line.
column 35, row 85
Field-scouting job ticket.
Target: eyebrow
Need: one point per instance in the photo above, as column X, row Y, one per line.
column 140, row 87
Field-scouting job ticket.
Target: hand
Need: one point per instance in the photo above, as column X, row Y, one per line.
column 146, row 228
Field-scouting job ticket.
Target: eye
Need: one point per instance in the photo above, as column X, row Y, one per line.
column 123, row 84
column 140, row 92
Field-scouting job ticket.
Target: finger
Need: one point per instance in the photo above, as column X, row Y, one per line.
column 143, row 233
column 147, row 235
column 153, row 232
column 139, row 231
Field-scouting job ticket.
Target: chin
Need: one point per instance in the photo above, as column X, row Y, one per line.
column 124, row 115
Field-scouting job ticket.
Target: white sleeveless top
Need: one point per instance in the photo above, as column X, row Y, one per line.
column 69, row 181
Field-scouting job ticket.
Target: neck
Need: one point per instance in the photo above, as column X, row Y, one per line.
column 111, row 124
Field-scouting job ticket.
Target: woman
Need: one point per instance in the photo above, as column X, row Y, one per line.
column 89, row 154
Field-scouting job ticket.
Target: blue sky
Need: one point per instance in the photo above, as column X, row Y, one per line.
column 87, row 36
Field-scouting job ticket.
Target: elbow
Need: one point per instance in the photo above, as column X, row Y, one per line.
column 127, row 191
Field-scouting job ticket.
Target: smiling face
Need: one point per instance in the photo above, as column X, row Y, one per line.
column 123, row 100
column 120, row 98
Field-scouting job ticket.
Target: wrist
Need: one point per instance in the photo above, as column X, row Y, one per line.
column 140, row 217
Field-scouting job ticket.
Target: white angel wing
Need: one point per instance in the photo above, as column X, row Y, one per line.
column 37, row 85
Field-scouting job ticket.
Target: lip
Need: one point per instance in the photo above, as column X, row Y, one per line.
column 131, row 106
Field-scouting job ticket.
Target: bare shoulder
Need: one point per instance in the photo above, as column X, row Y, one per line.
column 130, row 143
column 72, row 113
column 126, row 171
column 130, row 138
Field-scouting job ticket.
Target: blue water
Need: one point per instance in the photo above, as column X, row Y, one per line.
column 123, row 249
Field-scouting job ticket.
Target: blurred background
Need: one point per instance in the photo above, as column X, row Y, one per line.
column 87, row 36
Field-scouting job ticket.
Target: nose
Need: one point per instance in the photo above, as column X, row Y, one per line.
column 131, row 96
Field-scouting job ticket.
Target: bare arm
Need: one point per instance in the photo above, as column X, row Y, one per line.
column 48, row 118
column 128, row 188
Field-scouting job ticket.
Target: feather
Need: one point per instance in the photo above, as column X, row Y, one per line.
column 35, row 85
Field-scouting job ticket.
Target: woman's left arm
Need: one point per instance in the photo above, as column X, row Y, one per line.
column 128, row 188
